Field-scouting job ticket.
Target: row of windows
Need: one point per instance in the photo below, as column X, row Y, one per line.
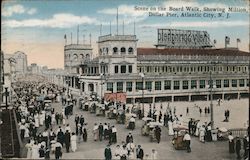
column 80, row 57
column 192, row 68
column 115, row 50
column 176, row 84
column 123, row 68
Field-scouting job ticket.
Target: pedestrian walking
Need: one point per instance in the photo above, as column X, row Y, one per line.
column 187, row 140
column 95, row 132
column 238, row 147
column 158, row 133
column 100, row 129
column 108, row 153
column 67, row 140
column 84, row 133
column 73, row 140
column 245, row 146
column 129, row 138
column 139, row 153
column 231, row 143
column 153, row 155
column 58, row 150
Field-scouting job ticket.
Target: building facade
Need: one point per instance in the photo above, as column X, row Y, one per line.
column 162, row 74
column 21, row 62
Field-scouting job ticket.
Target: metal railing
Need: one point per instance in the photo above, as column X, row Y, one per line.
column 238, row 132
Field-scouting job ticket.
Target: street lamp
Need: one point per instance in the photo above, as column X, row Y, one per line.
column 211, row 86
column 142, row 76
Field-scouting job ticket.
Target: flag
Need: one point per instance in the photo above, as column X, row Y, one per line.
column 215, row 41
column 238, row 40
column 227, row 40
column 65, row 37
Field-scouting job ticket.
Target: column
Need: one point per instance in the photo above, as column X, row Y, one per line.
column 81, row 88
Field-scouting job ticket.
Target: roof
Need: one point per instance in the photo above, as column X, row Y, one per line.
column 207, row 52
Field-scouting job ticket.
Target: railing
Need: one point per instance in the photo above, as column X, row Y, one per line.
column 20, row 143
column 238, row 132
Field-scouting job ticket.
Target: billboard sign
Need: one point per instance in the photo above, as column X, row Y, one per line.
column 174, row 38
column 115, row 97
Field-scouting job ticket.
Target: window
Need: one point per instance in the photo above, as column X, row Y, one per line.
column 202, row 84
column 158, row 85
column 184, row 84
column 242, row 82
column 123, row 50
column 247, row 82
column 138, row 86
column 87, row 57
column 130, row 50
column 226, row 83
column 193, row 84
column 234, row 82
column 130, row 69
column 110, row 86
column 148, row 69
column 75, row 57
column 119, row 86
column 167, row 85
column 116, row 69
column 218, row 83
column 176, row 85
column 148, row 85
column 123, row 69
column 115, row 50
column 107, row 50
column 129, row 86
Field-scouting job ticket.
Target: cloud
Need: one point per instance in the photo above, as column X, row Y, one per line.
column 60, row 20
column 126, row 13
column 17, row 9
column 214, row 24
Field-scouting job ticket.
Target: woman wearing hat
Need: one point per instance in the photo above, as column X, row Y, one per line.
column 231, row 143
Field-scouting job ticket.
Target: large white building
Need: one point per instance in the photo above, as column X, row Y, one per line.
column 21, row 62
column 162, row 74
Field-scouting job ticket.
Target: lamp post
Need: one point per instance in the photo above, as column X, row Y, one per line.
column 211, row 86
column 6, row 97
column 142, row 76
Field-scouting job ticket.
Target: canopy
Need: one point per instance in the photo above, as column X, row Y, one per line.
column 155, row 124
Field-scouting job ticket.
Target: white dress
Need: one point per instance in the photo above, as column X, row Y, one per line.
column 41, row 119
column 198, row 126
column 73, row 143
column 36, row 121
column 29, row 152
column 170, row 128
column 35, row 153
column 53, row 119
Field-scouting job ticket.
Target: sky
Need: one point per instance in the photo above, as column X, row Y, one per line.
column 37, row 27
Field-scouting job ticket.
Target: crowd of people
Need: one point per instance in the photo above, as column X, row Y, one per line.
column 45, row 131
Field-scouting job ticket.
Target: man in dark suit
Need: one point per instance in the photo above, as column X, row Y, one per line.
column 238, row 147
column 77, row 119
column 67, row 140
column 107, row 153
column 139, row 153
column 81, row 120
column 129, row 138
column 100, row 128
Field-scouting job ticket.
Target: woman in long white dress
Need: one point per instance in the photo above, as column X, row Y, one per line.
column 41, row 119
column 29, row 152
column 198, row 126
column 35, row 151
column 53, row 118
column 73, row 140
column 36, row 120
column 170, row 128
column 95, row 132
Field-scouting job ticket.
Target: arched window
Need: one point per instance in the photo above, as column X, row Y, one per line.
column 130, row 50
column 87, row 57
column 81, row 56
column 75, row 57
column 123, row 50
column 100, row 51
column 115, row 50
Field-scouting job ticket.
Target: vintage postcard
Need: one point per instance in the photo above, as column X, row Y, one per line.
column 123, row 79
